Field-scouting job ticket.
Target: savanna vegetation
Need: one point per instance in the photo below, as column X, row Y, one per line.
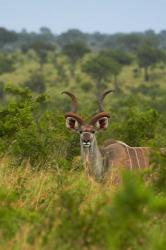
column 46, row 200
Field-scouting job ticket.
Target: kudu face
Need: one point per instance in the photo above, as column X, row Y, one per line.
column 87, row 131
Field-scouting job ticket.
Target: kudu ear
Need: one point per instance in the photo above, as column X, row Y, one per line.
column 73, row 121
column 100, row 121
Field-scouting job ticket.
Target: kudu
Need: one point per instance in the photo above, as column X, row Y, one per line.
column 99, row 162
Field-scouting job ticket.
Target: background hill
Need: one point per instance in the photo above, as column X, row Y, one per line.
column 12, row 40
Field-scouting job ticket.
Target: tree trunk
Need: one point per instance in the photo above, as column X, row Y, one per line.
column 99, row 88
column 41, row 66
column 146, row 74
column 73, row 71
column 116, row 84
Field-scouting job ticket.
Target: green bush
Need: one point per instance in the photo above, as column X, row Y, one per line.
column 137, row 128
column 6, row 63
column 158, row 171
column 36, row 82
column 32, row 133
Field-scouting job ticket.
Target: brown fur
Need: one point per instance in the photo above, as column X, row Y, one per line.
column 116, row 153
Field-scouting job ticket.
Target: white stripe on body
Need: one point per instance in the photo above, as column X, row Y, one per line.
column 135, row 150
column 126, row 146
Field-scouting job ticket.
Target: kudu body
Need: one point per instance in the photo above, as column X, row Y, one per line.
column 99, row 162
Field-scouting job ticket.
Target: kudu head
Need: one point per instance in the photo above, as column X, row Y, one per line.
column 87, row 131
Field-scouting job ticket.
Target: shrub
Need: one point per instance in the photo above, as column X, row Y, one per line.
column 6, row 63
column 158, row 171
column 29, row 131
column 138, row 127
column 36, row 82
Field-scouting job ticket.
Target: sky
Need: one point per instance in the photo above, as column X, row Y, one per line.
column 105, row 16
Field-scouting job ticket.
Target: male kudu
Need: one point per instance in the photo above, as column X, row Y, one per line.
column 99, row 162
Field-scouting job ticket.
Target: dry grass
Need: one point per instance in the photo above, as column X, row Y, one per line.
column 39, row 191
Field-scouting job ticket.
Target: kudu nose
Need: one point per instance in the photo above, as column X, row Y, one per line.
column 86, row 139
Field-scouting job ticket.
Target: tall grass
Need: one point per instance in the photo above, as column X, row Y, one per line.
column 63, row 209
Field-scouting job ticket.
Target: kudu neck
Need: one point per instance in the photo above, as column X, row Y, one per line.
column 92, row 160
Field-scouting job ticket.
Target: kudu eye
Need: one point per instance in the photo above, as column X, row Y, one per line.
column 80, row 131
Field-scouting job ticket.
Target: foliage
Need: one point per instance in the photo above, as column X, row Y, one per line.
column 10, row 40
column 38, row 139
column 121, row 57
column 158, row 172
column 12, row 218
column 75, row 51
column 36, row 82
column 6, row 63
column 1, row 90
column 7, row 36
column 70, row 37
column 148, row 56
column 142, row 125
column 100, row 67
column 41, row 48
